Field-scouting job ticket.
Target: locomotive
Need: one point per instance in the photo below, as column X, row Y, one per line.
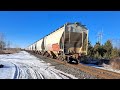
column 68, row 43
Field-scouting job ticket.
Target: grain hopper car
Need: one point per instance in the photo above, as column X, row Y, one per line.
column 66, row 43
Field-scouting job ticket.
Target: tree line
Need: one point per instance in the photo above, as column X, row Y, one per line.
column 105, row 51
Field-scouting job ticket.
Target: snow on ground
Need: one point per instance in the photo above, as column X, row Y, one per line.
column 105, row 67
column 22, row 65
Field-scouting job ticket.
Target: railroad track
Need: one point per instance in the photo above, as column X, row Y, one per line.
column 99, row 73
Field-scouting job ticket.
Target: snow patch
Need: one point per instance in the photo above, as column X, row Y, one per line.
column 104, row 66
column 22, row 65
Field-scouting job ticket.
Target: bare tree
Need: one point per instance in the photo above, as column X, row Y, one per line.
column 8, row 45
column 2, row 41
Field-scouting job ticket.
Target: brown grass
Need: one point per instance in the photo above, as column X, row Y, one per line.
column 115, row 63
column 1, row 52
column 9, row 51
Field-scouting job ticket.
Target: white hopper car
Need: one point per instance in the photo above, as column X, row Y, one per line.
column 68, row 41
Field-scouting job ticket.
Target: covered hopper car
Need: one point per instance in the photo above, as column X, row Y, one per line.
column 66, row 43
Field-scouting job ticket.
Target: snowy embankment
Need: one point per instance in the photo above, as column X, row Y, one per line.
column 22, row 65
column 105, row 67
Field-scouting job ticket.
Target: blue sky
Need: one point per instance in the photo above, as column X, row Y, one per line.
column 25, row 27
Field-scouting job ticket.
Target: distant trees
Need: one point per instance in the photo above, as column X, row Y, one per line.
column 106, row 51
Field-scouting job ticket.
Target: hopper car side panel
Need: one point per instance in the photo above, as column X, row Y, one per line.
column 52, row 39
column 39, row 45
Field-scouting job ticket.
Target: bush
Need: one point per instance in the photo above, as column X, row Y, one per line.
column 1, row 66
column 115, row 63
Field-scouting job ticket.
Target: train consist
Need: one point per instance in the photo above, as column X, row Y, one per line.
column 66, row 43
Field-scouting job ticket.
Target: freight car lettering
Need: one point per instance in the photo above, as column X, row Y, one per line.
column 55, row 47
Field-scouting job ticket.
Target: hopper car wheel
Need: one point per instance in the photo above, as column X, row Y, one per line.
column 51, row 56
column 68, row 60
column 61, row 58
column 77, row 62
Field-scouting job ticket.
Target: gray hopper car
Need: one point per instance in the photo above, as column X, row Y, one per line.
column 66, row 43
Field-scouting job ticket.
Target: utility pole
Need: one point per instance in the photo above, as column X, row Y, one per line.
column 99, row 37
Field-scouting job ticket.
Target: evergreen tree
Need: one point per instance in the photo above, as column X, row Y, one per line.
column 101, row 51
column 114, row 53
column 96, row 50
column 119, row 52
column 108, row 47
column 90, row 49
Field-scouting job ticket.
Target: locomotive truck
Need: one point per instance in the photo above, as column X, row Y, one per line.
column 68, row 43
